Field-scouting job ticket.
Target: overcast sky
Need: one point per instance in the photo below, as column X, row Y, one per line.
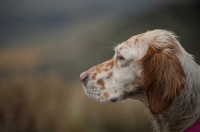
column 19, row 17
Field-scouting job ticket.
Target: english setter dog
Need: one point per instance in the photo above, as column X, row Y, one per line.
column 154, row 68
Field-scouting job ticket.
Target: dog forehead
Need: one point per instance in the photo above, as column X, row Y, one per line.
column 133, row 48
column 137, row 46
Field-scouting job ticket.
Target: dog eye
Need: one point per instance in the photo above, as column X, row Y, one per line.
column 119, row 57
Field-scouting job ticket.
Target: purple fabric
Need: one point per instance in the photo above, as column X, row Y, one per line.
column 194, row 128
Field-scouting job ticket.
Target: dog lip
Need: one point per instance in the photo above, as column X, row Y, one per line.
column 114, row 99
column 84, row 84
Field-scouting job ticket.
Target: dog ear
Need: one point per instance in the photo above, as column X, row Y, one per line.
column 163, row 78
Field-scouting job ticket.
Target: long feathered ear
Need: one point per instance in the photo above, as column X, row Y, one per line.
column 163, row 78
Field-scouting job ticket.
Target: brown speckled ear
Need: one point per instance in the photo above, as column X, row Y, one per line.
column 163, row 78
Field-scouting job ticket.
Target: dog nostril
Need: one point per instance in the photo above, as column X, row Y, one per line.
column 84, row 76
column 85, row 79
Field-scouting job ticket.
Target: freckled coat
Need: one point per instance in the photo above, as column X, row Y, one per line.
column 154, row 68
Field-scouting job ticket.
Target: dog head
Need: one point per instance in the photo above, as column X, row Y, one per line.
column 146, row 67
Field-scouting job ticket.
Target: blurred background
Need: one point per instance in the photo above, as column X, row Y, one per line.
column 46, row 44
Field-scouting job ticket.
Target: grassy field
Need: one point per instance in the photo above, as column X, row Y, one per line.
column 48, row 103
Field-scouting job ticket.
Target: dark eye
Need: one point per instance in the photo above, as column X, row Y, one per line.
column 119, row 57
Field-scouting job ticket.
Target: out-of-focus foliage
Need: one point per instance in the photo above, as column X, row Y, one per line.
column 40, row 89
column 47, row 103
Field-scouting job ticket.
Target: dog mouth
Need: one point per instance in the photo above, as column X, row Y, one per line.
column 96, row 93
column 102, row 96
column 90, row 93
column 105, row 95
column 114, row 100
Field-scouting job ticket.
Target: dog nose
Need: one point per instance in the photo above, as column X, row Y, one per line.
column 83, row 75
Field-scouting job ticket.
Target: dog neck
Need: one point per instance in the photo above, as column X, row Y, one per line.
column 185, row 109
column 184, row 112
